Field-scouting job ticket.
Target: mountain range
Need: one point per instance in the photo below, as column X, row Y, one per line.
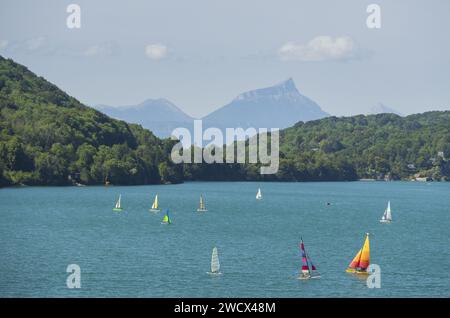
column 158, row 115
column 278, row 106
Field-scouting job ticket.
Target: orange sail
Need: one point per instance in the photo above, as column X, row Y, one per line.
column 355, row 261
column 361, row 261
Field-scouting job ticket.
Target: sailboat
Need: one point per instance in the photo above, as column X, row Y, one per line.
column 387, row 216
column 361, row 261
column 202, row 207
column 308, row 268
column 258, row 194
column 215, row 265
column 118, row 207
column 166, row 219
column 155, row 206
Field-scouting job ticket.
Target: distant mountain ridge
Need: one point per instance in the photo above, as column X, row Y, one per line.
column 278, row 106
column 159, row 115
column 380, row 108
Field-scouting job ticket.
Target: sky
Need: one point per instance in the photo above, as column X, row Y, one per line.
column 200, row 54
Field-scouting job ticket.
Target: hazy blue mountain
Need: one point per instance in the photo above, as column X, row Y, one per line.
column 380, row 108
column 278, row 106
column 158, row 115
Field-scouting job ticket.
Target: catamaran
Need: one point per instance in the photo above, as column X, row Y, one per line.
column 202, row 207
column 166, row 219
column 118, row 207
column 155, row 206
column 215, row 265
column 387, row 216
column 258, row 194
column 361, row 261
column 308, row 268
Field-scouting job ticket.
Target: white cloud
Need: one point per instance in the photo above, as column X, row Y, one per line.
column 156, row 51
column 35, row 43
column 321, row 48
column 3, row 44
column 102, row 49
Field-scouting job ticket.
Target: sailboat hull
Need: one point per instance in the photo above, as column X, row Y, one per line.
column 202, row 210
column 155, row 210
column 356, row 271
column 214, row 273
column 117, row 209
column 385, row 221
column 304, row 277
column 301, row 277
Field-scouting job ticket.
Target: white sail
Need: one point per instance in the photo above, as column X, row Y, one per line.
column 215, row 265
column 258, row 194
column 388, row 212
column 387, row 216
column 155, row 203
column 118, row 202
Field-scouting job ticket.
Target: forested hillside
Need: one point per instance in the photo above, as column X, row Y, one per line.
column 380, row 147
column 49, row 138
column 383, row 146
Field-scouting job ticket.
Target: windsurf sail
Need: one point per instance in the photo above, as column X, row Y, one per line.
column 258, row 194
column 215, row 265
column 166, row 219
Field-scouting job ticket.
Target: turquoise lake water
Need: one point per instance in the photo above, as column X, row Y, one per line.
column 131, row 254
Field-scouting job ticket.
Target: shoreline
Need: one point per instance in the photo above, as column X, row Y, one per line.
column 217, row 181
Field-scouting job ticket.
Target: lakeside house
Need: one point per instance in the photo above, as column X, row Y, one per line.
column 421, row 179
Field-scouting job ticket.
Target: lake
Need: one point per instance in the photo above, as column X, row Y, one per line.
column 131, row 254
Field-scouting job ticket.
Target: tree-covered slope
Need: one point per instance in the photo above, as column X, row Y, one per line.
column 50, row 138
column 374, row 146
column 383, row 146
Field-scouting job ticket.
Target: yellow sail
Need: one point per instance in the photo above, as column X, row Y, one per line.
column 166, row 218
column 361, row 261
column 364, row 262
column 202, row 205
